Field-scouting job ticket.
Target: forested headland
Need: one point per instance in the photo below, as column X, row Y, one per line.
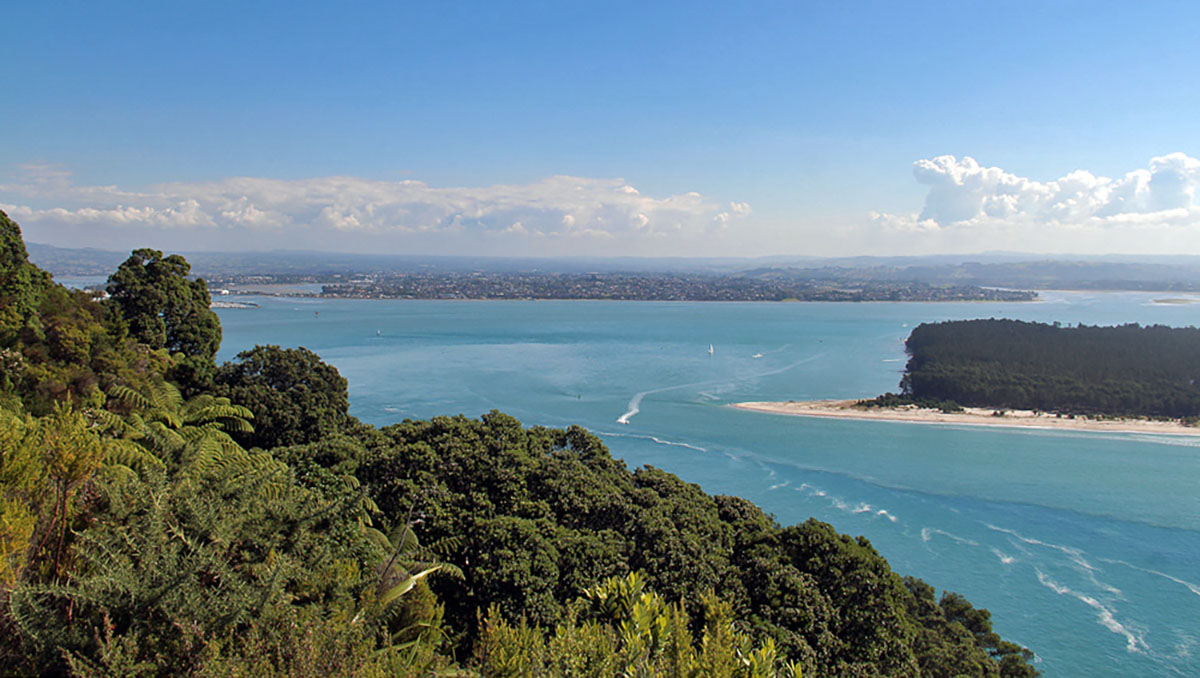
column 1126, row 370
column 163, row 515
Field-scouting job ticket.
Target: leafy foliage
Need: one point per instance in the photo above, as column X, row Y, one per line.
column 892, row 400
column 618, row 628
column 163, row 308
column 46, row 466
column 22, row 285
column 294, row 396
column 195, row 554
column 543, row 514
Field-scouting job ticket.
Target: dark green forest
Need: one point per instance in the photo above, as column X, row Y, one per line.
column 1127, row 370
column 162, row 515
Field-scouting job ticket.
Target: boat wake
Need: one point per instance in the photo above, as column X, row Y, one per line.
column 635, row 403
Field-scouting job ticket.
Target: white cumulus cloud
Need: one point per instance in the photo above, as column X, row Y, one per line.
column 356, row 213
column 962, row 193
column 970, row 207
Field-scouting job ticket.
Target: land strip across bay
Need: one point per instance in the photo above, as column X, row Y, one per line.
column 971, row 416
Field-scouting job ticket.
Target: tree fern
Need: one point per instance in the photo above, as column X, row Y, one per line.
column 182, row 433
column 133, row 457
column 127, row 396
column 201, row 549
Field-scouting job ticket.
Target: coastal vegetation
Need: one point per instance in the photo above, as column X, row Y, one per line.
column 162, row 515
column 893, row 400
column 1126, row 370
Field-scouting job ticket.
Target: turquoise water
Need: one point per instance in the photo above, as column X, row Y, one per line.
column 1085, row 546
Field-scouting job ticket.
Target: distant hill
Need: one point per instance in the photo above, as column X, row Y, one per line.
column 999, row 269
column 1176, row 273
column 78, row 262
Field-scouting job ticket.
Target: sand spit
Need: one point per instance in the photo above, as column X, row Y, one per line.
column 972, row 416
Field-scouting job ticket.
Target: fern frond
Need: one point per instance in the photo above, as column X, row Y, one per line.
column 453, row 571
column 165, row 396
column 370, row 505
column 215, row 411
column 241, row 412
column 128, row 396
column 159, row 439
column 238, row 426
column 121, row 472
column 109, row 422
column 379, row 538
column 446, row 545
column 132, row 456
column 172, row 419
column 403, row 539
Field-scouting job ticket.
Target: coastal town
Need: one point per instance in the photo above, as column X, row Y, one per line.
column 617, row 287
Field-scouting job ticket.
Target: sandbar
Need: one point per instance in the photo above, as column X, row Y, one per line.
column 971, row 416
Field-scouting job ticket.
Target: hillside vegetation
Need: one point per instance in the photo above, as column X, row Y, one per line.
column 161, row 515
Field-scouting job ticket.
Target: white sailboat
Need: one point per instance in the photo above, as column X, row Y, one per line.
column 710, row 349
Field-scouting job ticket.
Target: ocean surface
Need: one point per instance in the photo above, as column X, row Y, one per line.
column 1084, row 546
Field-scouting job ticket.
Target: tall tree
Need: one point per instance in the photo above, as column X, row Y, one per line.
column 163, row 307
column 22, row 284
column 294, row 396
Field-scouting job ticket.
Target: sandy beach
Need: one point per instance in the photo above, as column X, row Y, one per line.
column 972, row 416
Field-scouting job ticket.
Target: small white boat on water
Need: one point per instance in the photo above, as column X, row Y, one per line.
column 710, row 349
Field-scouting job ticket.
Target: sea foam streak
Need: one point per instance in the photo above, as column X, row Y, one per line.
column 654, row 439
column 1194, row 588
column 1004, row 557
column 858, row 508
column 928, row 532
column 814, row 491
column 672, row 443
column 1074, row 554
column 837, row 503
column 1108, row 620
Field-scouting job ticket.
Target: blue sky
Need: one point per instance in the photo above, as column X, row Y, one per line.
column 604, row 128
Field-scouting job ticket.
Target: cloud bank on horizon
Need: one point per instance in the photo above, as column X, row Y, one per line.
column 968, row 207
column 964, row 196
column 562, row 214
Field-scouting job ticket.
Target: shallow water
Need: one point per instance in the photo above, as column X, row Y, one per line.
column 1085, row 546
